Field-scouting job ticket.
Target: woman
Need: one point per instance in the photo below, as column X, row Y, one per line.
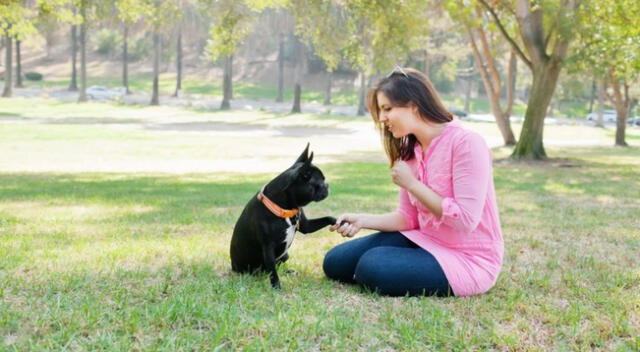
column 444, row 238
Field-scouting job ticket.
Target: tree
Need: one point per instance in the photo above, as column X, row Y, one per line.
column 232, row 22
column 84, row 8
column 484, row 49
column 15, row 20
column 610, row 47
column 73, row 84
column 18, row 65
column 158, row 14
column 322, row 24
column 129, row 12
column 545, row 30
column 299, row 54
column 8, row 70
column 373, row 35
column 382, row 34
column 187, row 20
column 281, row 44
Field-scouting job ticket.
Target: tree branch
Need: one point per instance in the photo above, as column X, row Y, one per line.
column 506, row 35
column 548, row 38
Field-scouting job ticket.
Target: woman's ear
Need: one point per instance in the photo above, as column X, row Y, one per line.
column 415, row 112
column 414, row 109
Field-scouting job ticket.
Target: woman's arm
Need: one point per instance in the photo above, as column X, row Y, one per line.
column 402, row 176
column 427, row 197
column 393, row 221
column 471, row 172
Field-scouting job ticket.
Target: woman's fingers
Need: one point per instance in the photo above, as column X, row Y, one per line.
column 335, row 226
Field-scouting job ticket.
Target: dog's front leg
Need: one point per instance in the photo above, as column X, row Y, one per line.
column 313, row 225
column 269, row 262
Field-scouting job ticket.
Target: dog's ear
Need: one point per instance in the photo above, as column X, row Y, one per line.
column 310, row 159
column 285, row 179
column 304, row 156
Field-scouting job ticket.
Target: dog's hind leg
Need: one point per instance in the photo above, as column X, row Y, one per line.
column 269, row 262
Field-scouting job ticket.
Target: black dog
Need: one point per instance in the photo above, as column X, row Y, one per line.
column 266, row 227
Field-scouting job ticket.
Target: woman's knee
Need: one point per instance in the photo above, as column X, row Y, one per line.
column 381, row 270
column 336, row 264
column 370, row 270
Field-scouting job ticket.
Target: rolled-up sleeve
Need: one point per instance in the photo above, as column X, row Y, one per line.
column 408, row 211
column 471, row 173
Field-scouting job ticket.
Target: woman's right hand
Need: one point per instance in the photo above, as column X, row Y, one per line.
column 351, row 224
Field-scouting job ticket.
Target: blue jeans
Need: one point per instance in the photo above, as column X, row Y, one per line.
column 388, row 263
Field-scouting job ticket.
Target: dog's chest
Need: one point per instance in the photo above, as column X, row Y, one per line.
column 289, row 233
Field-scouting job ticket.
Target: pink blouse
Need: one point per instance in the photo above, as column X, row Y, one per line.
column 466, row 240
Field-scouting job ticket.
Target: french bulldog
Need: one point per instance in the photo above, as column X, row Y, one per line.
column 264, row 231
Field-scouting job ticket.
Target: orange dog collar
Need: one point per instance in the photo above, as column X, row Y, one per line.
column 275, row 208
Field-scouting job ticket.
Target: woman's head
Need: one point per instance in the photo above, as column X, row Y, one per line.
column 402, row 96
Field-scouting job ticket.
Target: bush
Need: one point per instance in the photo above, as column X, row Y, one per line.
column 33, row 76
column 107, row 41
column 140, row 48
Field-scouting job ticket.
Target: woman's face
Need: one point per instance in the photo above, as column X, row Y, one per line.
column 398, row 120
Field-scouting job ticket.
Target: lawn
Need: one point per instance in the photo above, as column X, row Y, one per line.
column 247, row 90
column 115, row 225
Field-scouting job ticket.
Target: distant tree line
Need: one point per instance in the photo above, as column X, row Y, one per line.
column 599, row 39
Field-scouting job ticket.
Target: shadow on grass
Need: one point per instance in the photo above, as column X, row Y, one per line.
column 192, row 300
column 184, row 199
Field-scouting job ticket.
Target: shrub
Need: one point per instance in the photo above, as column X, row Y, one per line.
column 140, row 48
column 33, row 76
column 107, row 41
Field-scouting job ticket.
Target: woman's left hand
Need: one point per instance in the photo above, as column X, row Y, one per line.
column 402, row 175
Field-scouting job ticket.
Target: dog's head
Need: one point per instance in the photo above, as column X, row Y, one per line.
column 303, row 182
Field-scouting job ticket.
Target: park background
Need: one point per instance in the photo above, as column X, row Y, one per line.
column 125, row 163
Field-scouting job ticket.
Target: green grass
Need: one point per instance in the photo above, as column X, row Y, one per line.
column 139, row 260
column 247, row 90
column 190, row 85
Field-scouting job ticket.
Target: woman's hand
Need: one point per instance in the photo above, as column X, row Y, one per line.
column 351, row 224
column 402, row 175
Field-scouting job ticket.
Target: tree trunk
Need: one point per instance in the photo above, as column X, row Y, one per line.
column 8, row 67
column 297, row 97
column 73, row 85
column 545, row 78
column 155, row 98
column 178, row 64
column 467, row 94
column 226, row 85
column 82, row 97
column 602, row 94
column 512, row 74
column 468, row 80
column 125, row 59
column 621, row 101
column 361, row 99
column 18, row 66
column 280, row 97
column 491, row 81
column 297, row 90
column 502, row 120
column 327, row 88
column 592, row 97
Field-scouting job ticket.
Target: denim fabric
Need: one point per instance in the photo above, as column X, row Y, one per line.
column 388, row 263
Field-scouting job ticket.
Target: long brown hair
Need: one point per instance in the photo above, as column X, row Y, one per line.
column 404, row 87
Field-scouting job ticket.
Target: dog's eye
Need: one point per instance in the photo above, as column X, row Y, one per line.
column 306, row 175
